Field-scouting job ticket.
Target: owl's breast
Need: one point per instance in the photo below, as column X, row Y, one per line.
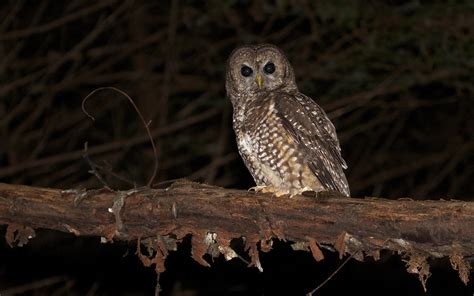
column 270, row 152
column 252, row 123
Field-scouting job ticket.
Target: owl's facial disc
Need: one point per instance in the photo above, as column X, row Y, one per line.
column 258, row 68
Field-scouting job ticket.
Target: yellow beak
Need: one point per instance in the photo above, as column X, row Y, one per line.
column 259, row 80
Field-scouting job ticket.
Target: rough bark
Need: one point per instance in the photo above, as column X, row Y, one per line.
column 159, row 218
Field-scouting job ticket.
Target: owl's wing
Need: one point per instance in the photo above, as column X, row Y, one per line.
column 309, row 125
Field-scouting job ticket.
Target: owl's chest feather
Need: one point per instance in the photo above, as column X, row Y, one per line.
column 263, row 143
column 255, row 124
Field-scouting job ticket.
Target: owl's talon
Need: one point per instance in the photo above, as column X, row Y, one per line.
column 258, row 188
column 301, row 191
column 280, row 193
column 269, row 189
column 263, row 189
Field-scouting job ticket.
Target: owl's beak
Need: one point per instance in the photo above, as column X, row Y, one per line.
column 259, row 80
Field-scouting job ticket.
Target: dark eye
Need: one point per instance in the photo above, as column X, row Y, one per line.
column 269, row 68
column 246, row 71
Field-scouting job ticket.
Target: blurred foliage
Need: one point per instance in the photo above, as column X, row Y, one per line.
column 395, row 77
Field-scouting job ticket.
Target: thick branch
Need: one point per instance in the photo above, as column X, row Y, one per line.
column 215, row 216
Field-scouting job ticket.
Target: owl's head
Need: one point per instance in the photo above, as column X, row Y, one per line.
column 263, row 67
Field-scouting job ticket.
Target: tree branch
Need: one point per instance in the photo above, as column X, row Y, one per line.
column 214, row 216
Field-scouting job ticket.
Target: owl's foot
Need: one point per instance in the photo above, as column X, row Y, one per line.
column 301, row 191
column 269, row 189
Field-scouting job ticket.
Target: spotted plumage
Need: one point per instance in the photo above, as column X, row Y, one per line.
column 285, row 139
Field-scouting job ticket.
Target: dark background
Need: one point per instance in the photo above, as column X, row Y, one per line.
column 395, row 77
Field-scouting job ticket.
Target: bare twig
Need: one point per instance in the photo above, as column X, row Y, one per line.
column 331, row 275
column 145, row 124
column 93, row 167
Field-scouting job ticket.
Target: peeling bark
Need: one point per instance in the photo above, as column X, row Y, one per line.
column 160, row 218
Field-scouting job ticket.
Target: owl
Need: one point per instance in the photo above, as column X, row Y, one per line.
column 285, row 139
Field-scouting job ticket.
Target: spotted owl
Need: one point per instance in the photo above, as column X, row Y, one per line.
column 286, row 140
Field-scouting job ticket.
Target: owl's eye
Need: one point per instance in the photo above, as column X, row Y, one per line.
column 269, row 68
column 246, row 71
